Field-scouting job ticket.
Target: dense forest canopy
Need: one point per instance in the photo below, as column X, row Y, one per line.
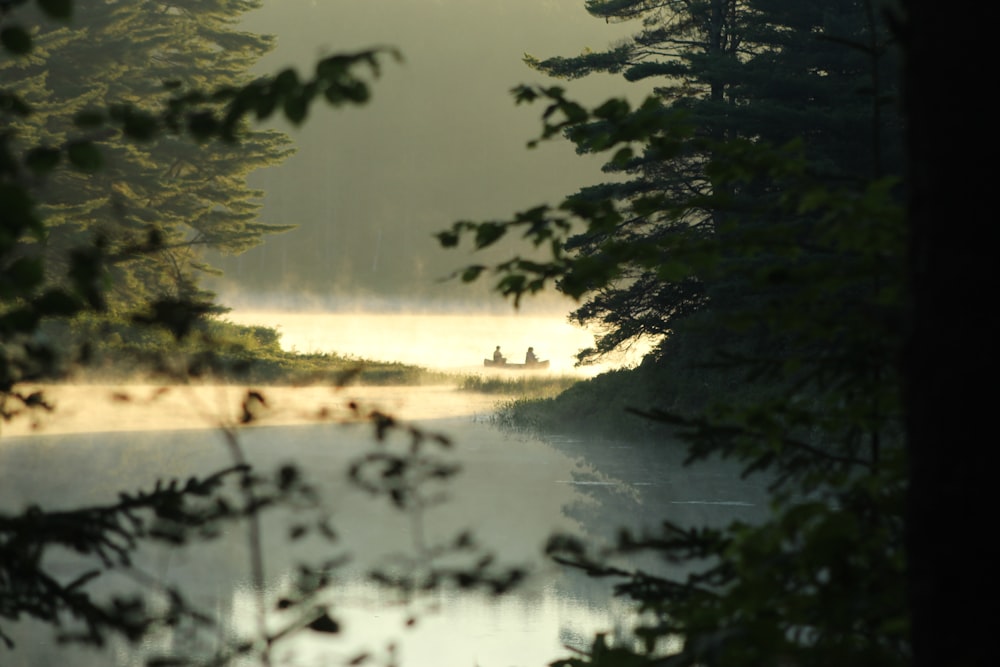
column 733, row 73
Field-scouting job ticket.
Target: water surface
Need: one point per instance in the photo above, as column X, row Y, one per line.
column 444, row 341
column 514, row 491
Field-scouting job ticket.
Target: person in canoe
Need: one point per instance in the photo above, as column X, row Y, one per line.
column 498, row 357
column 530, row 358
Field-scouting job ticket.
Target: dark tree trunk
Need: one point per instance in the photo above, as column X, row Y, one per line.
column 950, row 386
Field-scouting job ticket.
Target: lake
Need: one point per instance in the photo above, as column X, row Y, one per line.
column 455, row 342
column 512, row 492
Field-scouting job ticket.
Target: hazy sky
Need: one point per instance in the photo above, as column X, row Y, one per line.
column 441, row 140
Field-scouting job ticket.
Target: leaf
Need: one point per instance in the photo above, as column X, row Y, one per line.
column 325, row 624
column 622, row 156
column 89, row 119
column 16, row 40
column 447, row 239
column 85, row 156
column 286, row 82
column 489, row 233
column 22, row 320
column 202, row 125
column 57, row 302
column 264, row 104
column 24, row 273
column 140, row 126
column 13, row 104
column 296, row 107
column 614, row 108
column 42, row 160
column 471, row 273
column 57, row 9
column 167, row 661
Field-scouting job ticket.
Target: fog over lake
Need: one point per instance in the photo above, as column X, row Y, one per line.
column 440, row 140
column 454, row 342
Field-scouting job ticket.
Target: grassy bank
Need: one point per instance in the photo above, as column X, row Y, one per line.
column 110, row 349
column 117, row 350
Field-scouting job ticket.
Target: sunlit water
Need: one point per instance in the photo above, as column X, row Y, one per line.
column 444, row 341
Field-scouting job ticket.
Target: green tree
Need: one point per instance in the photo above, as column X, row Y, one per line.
column 159, row 203
column 90, row 238
column 791, row 232
column 730, row 70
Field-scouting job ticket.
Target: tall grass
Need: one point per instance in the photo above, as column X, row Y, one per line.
column 530, row 386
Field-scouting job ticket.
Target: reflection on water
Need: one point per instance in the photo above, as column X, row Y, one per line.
column 513, row 492
column 450, row 629
column 450, row 342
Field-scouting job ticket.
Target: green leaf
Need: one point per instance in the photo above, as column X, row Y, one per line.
column 287, row 82
column 140, row 126
column 489, row 233
column 353, row 91
column 13, row 104
column 42, row 160
column 612, row 109
column 264, row 104
column 85, row 156
column 325, row 624
column 22, row 320
column 471, row 273
column 89, row 119
column 58, row 9
column 296, row 107
column 447, row 239
column 57, row 302
column 202, row 125
column 24, row 273
column 15, row 39
column 17, row 209
column 622, row 156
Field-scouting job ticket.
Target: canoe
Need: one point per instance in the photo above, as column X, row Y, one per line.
column 533, row 366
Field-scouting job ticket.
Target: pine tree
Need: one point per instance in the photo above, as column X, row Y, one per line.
column 156, row 205
column 770, row 191
column 733, row 73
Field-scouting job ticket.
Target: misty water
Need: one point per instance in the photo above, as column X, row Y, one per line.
column 451, row 341
column 512, row 493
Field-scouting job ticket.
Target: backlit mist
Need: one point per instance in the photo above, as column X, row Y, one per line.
column 440, row 140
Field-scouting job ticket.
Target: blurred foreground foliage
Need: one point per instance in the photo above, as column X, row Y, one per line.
column 121, row 349
column 76, row 308
column 51, row 277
